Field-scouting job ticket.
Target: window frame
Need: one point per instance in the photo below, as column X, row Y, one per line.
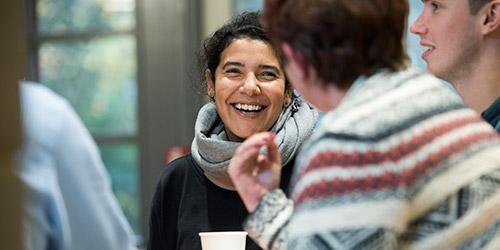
column 35, row 41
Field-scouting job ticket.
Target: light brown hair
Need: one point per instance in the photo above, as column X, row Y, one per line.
column 476, row 5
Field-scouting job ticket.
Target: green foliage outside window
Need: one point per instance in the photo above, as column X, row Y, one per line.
column 77, row 16
column 98, row 77
column 121, row 161
column 87, row 53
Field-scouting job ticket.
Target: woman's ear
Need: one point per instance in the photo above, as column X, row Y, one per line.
column 210, row 85
column 288, row 96
column 491, row 17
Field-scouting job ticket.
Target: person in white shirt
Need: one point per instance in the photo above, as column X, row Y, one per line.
column 68, row 201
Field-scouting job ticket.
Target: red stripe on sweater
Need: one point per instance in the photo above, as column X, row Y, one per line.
column 357, row 159
column 389, row 180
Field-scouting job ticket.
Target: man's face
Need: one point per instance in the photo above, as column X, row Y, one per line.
column 450, row 36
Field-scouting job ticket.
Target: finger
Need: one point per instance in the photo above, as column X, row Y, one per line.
column 245, row 157
column 269, row 173
column 273, row 151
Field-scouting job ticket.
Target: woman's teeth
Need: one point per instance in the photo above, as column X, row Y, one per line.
column 428, row 48
column 247, row 107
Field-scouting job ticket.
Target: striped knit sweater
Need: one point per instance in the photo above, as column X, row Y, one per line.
column 400, row 164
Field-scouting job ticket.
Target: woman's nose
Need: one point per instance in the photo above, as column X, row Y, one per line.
column 251, row 85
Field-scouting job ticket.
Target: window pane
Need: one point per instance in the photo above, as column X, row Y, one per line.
column 98, row 76
column 413, row 41
column 76, row 16
column 121, row 160
column 247, row 5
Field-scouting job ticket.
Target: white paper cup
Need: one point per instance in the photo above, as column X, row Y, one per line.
column 223, row 240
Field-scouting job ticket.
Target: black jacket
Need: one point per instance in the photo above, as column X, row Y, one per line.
column 185, row 203
column 492, row 115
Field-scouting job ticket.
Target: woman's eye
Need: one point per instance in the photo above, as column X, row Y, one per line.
column 268, row 75
column 232, row 71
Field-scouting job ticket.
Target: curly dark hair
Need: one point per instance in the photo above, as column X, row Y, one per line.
column 341, row 39
column 244, row 25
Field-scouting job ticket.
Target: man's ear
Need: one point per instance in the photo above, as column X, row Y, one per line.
column 210, row 85
column 296, row 62
column 491, row 17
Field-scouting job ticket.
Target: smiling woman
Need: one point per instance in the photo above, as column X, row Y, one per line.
column 249, row 93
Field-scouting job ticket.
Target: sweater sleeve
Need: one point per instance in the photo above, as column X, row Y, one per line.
column 267, row 224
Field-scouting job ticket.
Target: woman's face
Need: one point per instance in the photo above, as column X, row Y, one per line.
column 249, row 88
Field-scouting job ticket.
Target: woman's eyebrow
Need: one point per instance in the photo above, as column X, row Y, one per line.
column 262, row 66
column 271, row 67
column 230, row 63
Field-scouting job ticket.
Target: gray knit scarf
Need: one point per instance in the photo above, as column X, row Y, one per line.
column 212, row 150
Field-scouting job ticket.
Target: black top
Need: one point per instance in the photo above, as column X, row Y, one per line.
column 185, row 203
column 492, row 115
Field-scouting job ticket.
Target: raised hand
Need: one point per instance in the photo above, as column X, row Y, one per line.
column 252, row 173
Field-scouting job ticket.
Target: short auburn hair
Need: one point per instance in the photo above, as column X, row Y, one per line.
column 341, row 39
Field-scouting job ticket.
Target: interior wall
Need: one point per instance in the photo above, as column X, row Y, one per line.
column 168, row 37
column 12, row 69
column 215, row 13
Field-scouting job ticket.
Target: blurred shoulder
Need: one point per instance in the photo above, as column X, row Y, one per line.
column 44, row 112
column 37, row 95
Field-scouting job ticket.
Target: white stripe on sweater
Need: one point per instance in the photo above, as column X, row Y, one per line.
column 407, row 162
column 387, row 214
column 276, row 224
column 395, row 213
column 413, row 88
column 449, row 183
column 455, row 178
column 383, row 145
column 395, row 139
column 474, row 222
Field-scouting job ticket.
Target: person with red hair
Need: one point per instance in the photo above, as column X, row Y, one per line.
column 397, row 162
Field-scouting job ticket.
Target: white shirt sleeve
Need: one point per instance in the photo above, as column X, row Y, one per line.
column 69, row 202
